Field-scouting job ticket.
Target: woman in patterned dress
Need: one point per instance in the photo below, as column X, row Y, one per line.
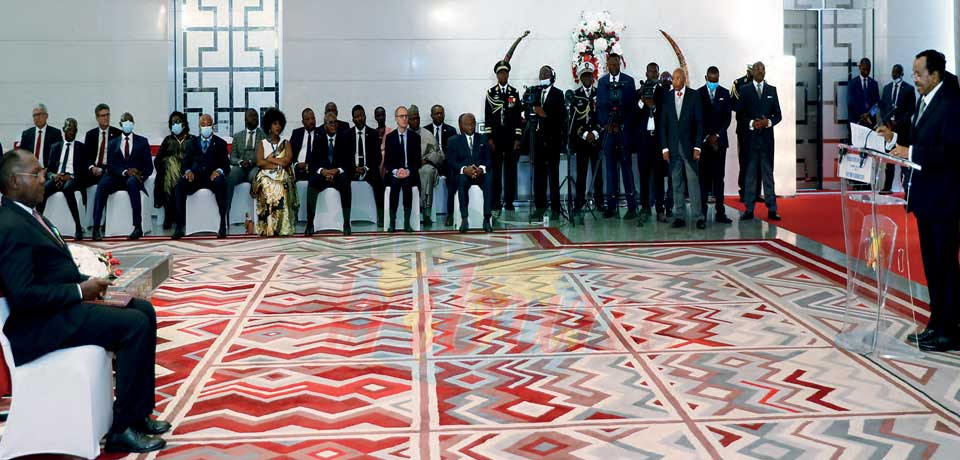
column 168, row 166
column 274, row 188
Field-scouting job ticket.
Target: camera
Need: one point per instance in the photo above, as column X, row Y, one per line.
column 531, row 99
column 616, row 99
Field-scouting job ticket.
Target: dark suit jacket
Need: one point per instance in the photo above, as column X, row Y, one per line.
column 716, row 113
column 641, row 120
column 297, row 136
column 460, row 155
column 28, row 141
column 901, row 110
column 343, row 150
column 684, row 133
column 80, row 159
column 204, row 164
column 858, row 102
column 39, row 279
column 447, row 132
column 92, row 141
column 394, row 155
column 140, row 157
column 371, row 147
column 935, row 145
column 753, row 107
column 554, row 126
column 628, row 102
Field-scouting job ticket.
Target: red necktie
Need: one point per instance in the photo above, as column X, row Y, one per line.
column 103, row 147
column 680, row 94
column 36, row 149
column 126, row 149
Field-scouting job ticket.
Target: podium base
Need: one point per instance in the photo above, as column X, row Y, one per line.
column 886, row 346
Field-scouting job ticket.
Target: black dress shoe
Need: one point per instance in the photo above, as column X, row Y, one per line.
column 133, row 441
column 97, row 236
column 151, row 426
column 631, row 214
column 509, row 207
column 222, row 233
column 920, row 336
column 538, row 214
column 392, row 228
column 78, row 236
column 407, row 228
column 136, row 234
column 449, row 220
column 774, row 216
column 939, row 342
column 722, row 219
column 701, row 224
column 678, row 223
column 661, row 217
column 758, row 200
column 746, row 216
column 487, row 225
column 177, row 234
column 463, row 226
column 347, row 231
column 308, row 232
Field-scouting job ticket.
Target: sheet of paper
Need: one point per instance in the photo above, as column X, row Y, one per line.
column 864, row 137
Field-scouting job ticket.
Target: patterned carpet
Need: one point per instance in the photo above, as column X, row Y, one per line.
column 524, row 345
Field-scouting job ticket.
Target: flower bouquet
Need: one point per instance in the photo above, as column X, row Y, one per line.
column 594, row 38
column 94, row 263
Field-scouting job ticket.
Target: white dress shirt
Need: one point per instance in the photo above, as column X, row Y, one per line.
column 470, row 147
column 403, row 142
column 758, row 87
column 326, row 147
column 307, row 141
column 66, row 158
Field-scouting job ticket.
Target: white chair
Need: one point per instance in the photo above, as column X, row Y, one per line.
column 302, row 186
column 474, row 208
column 363, row 206
column 58, row 212
column 152, row 211
column 62, row 402
column 88, row 214
column 119, row 215
column 329, row 213
column 440, row 192
column 203, row 215
column 414, row 213
column 242, row 205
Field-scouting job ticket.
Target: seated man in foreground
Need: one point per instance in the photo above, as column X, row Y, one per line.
column 50, row 307
column 470, row 160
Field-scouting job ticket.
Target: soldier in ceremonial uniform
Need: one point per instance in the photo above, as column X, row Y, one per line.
column 585, row 139
column 743, row 131
column 502, row 125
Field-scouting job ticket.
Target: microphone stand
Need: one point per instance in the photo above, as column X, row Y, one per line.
column 569, row 180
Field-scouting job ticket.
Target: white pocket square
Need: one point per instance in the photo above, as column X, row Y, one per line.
column 769, row 97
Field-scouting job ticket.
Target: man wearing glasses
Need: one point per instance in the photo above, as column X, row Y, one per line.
column 40, row 137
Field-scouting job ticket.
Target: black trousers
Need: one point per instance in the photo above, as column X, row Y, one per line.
column 464, row 183
column 184, row 188
column 939, row 246
column 131, row 334
column 653, row 174
column 376, row 182
column 760, row 163
column 743, row 156
column 398, row 185
column 110, row 184
column 69, row 190
column 318, row 183
column 451, row 176
column 588, row 155
column 503, row 169
column 546, row 172
column 712, row 165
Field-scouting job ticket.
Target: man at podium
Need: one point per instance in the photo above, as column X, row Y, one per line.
column 932, row 142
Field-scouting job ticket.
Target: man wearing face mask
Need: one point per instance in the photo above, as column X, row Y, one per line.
column 550, row 126
column 243, row 153
column 205, row 165
column 715, row 101
column 128, row 166
column 585, row 139
column 431, row 158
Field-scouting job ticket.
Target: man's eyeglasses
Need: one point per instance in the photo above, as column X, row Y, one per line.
column 38, row 174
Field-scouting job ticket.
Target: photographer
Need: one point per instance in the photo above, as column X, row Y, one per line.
column 615, row 104
column 585, row 139
column 549, row 125
column 650, row 163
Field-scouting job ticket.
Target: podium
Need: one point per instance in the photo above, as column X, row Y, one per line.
column 871, row 237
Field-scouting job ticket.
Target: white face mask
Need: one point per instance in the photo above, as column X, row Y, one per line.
column 126, row 126
column 545, row 82
column 206, row 131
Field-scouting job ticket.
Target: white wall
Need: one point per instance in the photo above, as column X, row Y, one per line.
column 906, row 28
column 72, row 55
column 426, row 52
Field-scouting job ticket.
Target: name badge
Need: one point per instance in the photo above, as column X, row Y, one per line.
column 854, row 168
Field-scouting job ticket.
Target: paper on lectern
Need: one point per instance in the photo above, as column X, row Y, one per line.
column 864, row 137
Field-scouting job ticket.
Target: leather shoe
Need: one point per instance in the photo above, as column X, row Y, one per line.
column 939, row 342
column 347, row 231
column 151, row 426
column 509, row 207
column 723, row 219
column 921, row 336
column 631, row 214
column 97, row 236
column 136, row 234
column 463, row 226
column 538, row 214
column 407, row 228
column 609, row 214
column 701, row 224
column 78, row 236
column 308, row 232
column 222, row 233
column 487, row 225
column 132, row 441
column 177, row 234
column 678, row 223
column 392, row 228
column 746, row 216
column 774, row 216
column 449, row 220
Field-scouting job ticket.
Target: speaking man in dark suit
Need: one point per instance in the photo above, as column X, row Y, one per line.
column 863, row 93
column 205, row 165
column 330, row 164
column 97, row 140
column 932, row 142
column 896, row 107
column 128, row 166
column 760, row 105
column 401, row 162
column 551, row 126
column 49, row 309
column 681, row 135
column 302, row 141
column 365, row 145
column 40, row 137
column 616, row 100
column 715, row 101
column 469, row 156
column 68, row 159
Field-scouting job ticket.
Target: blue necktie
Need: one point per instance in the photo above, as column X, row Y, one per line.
column 205, row 144
column 330, row 150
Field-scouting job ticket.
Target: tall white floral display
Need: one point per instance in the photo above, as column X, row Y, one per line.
column 594, row 38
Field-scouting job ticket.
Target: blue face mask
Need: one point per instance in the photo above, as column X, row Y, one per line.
column 545, row 82
column 206, row 131
column 126, row 126
column 176, row 129
column 712, row 86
